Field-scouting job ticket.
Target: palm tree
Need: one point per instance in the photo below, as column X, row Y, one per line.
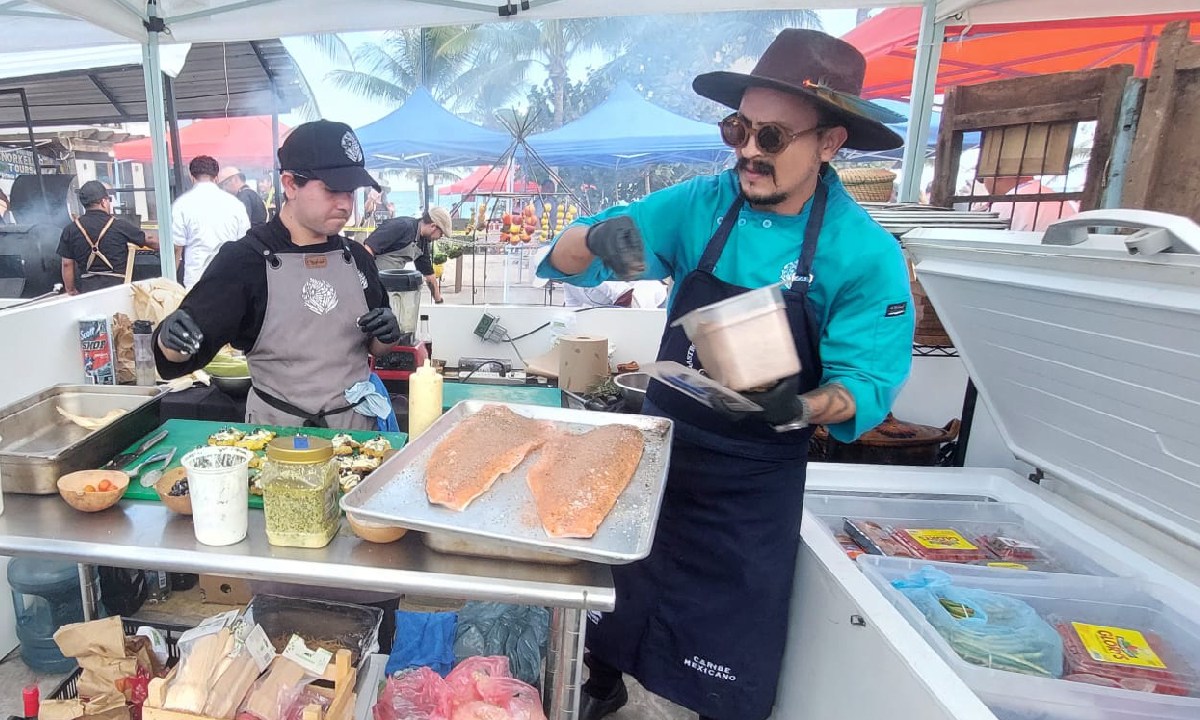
column 503, row 56
column 388, row 71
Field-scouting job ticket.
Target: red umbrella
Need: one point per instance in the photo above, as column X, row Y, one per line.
column 242, row 141
column 488, row 179
column 980, row 53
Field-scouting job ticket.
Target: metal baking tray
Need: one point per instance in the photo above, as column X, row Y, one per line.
column 395, row 493
column 38, row 445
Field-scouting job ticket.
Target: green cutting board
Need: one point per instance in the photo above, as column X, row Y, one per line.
column 186, row 435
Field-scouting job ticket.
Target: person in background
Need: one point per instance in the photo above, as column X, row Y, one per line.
column 95, row 248
column 233, row 182
column 402, row 240
column 5, row 217
column 266, row 191
column 1028, row 214
column 376, row 208
column 203, row 219
column 703, row 620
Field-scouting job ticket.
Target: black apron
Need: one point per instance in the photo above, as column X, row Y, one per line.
column 703, row 620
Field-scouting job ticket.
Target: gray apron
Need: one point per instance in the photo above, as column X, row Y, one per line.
column 399, row 259
column 310, row 349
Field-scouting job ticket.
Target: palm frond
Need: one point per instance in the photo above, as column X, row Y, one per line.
column 370, row 86
column 332, row 47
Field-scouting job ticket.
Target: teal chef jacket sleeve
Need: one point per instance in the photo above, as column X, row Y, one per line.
column 658, row 217
column 866, row 345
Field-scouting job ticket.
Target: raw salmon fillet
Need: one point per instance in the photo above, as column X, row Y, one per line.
column 473, row 455
column 577, row 479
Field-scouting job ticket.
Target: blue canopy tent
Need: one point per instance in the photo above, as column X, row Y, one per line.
column 423, row 134
column 627, row 129
column 902, row 108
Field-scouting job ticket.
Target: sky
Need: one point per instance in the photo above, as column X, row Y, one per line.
column 337, row 104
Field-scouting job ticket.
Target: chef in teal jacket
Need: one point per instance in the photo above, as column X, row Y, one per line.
column 702, row 620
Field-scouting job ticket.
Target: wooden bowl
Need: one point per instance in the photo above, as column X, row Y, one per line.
column 375, row 532
column 181, row 504
column 71, row 487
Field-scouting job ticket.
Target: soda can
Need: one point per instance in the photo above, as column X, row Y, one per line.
column 95, row 342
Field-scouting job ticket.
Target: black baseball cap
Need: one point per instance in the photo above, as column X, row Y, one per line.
column 92, row 192
column 328, row 151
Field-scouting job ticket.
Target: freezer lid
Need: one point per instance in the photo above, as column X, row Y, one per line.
column 1086, row 348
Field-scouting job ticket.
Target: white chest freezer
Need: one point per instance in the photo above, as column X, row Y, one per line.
column 1086, row 348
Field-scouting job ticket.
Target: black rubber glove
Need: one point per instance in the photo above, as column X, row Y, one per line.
column 780, row 404
column 619, row 245
column 381, row 324
column 179, row 332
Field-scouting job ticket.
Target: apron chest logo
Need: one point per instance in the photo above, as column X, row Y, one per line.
column 711, row 669
column 319, row 296
column 315, row 262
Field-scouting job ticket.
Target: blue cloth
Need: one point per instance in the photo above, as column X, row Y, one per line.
column 375, row 403
column 423, row 639
column 860, row 287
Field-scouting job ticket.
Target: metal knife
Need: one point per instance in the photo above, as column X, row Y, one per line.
column 124, row 459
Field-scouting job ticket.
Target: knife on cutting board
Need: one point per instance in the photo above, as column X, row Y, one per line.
column 124, row 459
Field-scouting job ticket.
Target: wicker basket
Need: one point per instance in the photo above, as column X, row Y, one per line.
column 868, row 184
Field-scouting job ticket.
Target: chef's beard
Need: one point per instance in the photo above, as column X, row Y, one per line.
column 760, row 199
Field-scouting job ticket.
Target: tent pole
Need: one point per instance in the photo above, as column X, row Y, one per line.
column 924, row 86
column 156, row 112
column 173, row 129
column 275, row 150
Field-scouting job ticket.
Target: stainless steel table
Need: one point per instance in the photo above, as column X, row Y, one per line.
column 145, row 534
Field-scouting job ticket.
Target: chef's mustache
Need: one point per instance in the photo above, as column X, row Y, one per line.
column 756, row 166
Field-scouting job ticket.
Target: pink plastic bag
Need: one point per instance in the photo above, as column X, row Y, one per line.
column 479, row 710
column 463, row 679
column 417, row 694
column 520, row 700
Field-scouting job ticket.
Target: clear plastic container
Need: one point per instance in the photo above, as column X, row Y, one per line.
column 995, row 534
column 218, row 481
column 300, row 486
column 744, row 342
column 1124, row 610
column 143, row 354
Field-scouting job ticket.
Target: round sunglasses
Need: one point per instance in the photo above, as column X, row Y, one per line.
column 770, row 138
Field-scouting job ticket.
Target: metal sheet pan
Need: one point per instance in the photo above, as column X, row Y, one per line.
column 395, row 493
column 38, row 445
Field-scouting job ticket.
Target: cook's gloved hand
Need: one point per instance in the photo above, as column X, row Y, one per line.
column 179, row 332
column 381, row 324
column 619, row 245
column 780, row 404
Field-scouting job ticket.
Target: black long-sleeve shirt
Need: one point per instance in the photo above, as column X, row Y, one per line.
column 230, row 300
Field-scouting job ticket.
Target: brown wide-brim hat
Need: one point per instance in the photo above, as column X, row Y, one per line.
column 821, row 68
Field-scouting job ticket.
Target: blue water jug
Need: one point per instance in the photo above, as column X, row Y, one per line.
column 45, row 597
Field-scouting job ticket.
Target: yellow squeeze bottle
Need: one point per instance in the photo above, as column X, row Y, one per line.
column 424, row 399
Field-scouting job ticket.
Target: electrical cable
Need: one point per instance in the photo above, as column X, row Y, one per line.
column 480, row 366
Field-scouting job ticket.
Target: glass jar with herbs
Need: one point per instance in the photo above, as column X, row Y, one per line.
column 300, row 485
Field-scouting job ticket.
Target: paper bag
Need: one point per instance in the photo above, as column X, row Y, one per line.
column 60, row 710
column 122, row 328
column 99, row 648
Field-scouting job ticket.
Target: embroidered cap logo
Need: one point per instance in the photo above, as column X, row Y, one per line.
column 353, row 150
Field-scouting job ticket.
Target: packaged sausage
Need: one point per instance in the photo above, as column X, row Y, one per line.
column 853, row 550
column 1126, row 658
column 1012, row 549
column 873, row 538
column 938, row 544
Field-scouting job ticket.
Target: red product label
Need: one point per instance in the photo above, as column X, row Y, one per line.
column 938, row 544
column 1012, row 549
column 1146, row 665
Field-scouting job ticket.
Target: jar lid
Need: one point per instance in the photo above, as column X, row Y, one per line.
column 300, row 449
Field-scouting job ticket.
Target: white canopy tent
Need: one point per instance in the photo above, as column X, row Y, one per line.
column 42, row 24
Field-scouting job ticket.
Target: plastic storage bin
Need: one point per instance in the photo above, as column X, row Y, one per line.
column 997, row 534
column 45, row 597
column 1119, row 607
column 744, row 342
